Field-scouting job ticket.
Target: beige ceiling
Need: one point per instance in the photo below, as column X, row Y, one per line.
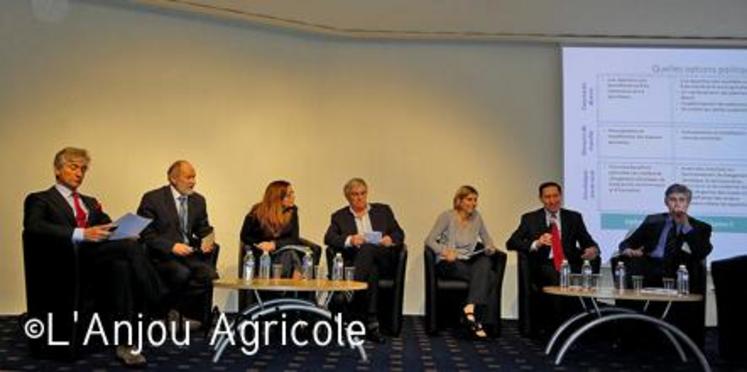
column 722, row 21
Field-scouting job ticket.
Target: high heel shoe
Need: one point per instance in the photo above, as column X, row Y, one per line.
column 477, row 331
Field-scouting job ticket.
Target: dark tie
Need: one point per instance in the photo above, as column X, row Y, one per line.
column 557, row 247
column 672, row 242
column 183, row 217
column 81, row 218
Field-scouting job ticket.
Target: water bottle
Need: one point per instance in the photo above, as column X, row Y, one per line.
column 337, row 267
column 683, row 281
column 565, row 274
column 264, row 265
column 307, row 267
column 586, row 275
column 620, row 276
column 249, row 265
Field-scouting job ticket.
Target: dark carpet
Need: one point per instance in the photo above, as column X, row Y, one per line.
column 414, row 350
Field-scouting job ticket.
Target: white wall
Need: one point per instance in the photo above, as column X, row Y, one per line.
column 140, row 88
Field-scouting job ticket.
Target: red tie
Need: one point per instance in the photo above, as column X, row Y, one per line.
column 81, row 218
column 557, row 246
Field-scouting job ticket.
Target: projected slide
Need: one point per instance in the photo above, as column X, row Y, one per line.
column 639, row 119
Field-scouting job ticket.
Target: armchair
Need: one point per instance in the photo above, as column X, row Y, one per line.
column 440, row 294
column 391, row 291
column 728, row 280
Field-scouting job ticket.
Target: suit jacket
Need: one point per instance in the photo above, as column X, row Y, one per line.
column 648, row 233
column 574, row 236
column 253, row 233
column 46, row 214
column 343, row 225
column 165, row 230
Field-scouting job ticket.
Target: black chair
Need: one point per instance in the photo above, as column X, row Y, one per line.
column 205, row 296
column 391, row 292
column 54, row 286
column 728, row 281
column 528, row 293
column 245, row 298
column 208, row 310
column 442, row 296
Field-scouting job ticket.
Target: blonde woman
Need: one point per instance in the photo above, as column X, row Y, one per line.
column 463, row 245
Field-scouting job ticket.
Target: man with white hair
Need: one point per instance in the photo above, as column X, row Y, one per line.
column 181, row 244
column 368, row 237
column 123, row 280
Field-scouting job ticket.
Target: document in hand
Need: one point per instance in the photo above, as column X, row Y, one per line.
column 129, row 226
column 373, row 237
column 475, row 253
column 208, row 241
column 467, row 256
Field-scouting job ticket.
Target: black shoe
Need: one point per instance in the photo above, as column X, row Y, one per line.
column 129, row 358
column 181, row 322
column 375, row 336
column 476, row 331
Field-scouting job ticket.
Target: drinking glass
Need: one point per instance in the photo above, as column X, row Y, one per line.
column 350, row 273
column 637, row 283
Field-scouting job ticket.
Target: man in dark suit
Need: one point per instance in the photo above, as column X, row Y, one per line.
column 548, row 236
column 181, row 242
column 123, row 280
column 663, row 242
column 369, row 238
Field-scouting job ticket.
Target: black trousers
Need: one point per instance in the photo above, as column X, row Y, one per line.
column 371, row 263
column 189, row 279
column 124, row 281
column 550, row 311
column 483, row 288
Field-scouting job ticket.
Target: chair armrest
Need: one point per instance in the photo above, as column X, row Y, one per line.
column 52, row 269
column 214, row 256
column 431, row 289
column 315, row 248
column 240, row 261
column 329, row 253
column 399, row 289
column 54, row 284
column 399, row 273
column 524, row 280
column 499, row 267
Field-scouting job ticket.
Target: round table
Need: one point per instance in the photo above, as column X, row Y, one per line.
column 607, row 314
column 294, row 285
column 322, row 287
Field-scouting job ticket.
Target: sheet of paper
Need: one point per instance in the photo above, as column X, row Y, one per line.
column 373, row 237
column 129, row 226
column 659, row 291
column 475, row 253
column 208, row 240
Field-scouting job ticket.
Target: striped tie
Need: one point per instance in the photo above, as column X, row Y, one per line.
column 183, row 217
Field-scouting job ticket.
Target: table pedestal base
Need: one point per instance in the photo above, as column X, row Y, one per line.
column 277, row 306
